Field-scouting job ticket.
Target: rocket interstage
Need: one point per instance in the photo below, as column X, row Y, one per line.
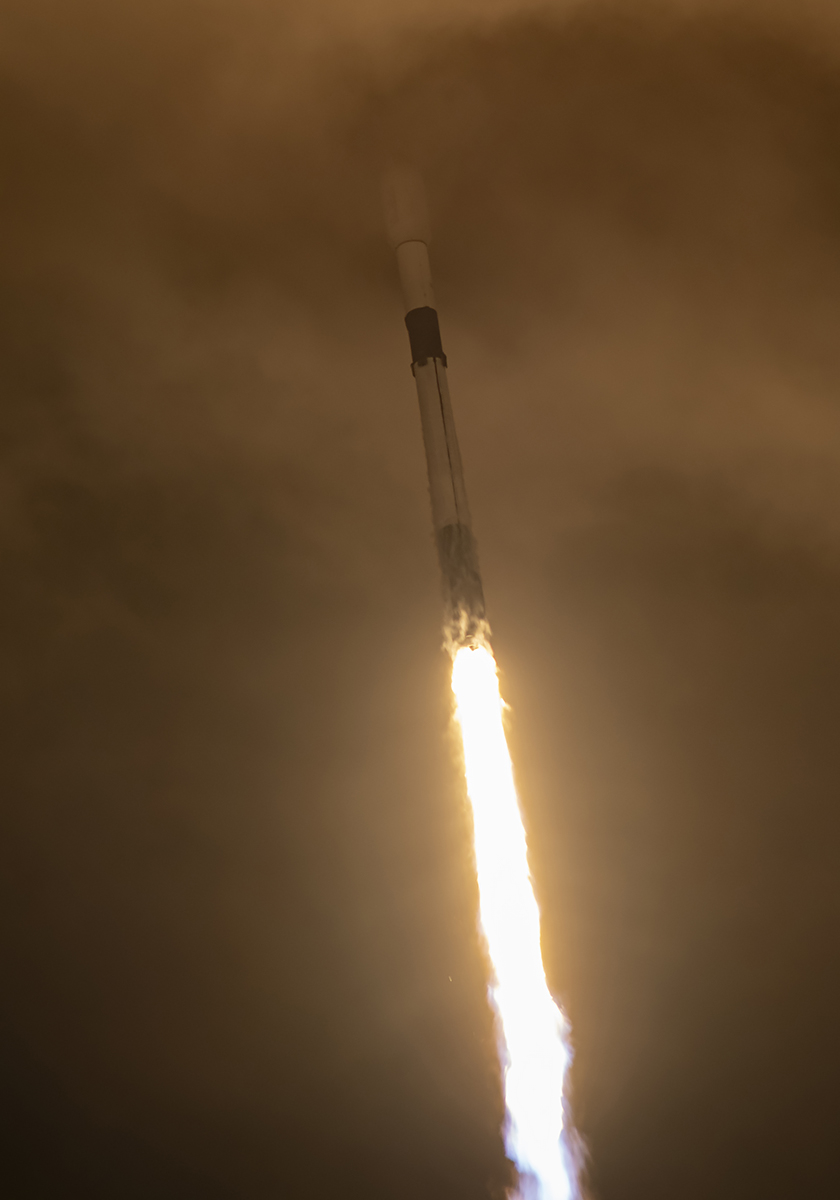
column 465, row 623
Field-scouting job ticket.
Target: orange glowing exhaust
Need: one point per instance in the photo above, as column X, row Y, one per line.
column 532, row 1029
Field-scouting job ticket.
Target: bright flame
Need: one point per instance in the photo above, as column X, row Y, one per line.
column 533, row 1031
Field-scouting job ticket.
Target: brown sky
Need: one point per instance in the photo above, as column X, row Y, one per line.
column 234, row 855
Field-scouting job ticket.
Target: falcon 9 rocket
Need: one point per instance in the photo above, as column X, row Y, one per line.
column 533, row 1032
column 408, row 229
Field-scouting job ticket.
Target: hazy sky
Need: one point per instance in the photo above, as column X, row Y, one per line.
column 238, row 913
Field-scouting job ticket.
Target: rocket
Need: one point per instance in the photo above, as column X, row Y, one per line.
column 407, row 221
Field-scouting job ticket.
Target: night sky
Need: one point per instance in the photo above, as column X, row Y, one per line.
column 238, row 913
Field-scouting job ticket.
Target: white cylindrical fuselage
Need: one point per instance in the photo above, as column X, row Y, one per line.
column 408, row 229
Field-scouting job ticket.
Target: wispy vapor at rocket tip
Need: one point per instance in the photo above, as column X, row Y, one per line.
column 405, row 205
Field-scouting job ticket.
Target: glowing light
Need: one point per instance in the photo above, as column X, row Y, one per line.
column 533, row 1031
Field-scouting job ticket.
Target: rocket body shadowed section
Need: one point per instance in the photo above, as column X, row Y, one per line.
column 465, row 621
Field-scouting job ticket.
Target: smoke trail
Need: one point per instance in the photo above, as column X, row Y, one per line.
column 533, row 1032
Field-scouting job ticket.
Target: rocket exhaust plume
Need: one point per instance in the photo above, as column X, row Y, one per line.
column 534, row 1050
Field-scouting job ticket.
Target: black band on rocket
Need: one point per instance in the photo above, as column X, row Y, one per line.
column 424, row 335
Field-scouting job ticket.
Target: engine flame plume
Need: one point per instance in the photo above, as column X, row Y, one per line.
column 533, row 1032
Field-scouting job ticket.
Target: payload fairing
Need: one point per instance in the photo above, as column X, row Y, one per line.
column 408, row 230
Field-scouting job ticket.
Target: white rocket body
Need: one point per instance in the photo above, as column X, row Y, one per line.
column 408, row 229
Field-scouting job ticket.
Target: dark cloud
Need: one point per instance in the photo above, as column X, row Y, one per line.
column 235, row 858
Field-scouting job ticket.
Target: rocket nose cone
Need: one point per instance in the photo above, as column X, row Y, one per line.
column 404, row 200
